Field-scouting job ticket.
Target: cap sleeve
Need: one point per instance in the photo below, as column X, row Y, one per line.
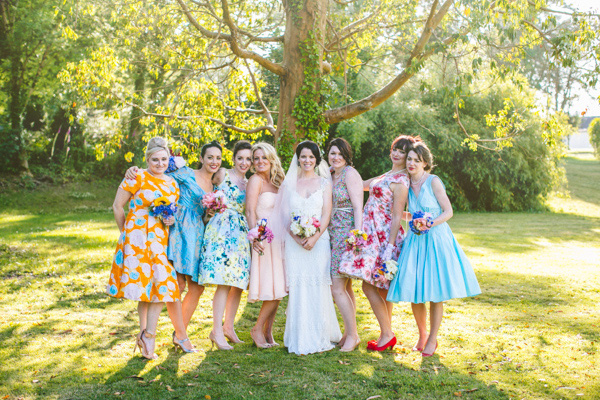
column 182, row 174
column 402, row 179
column 132, row 185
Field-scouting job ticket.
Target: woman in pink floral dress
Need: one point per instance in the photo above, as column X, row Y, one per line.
column 382, row 218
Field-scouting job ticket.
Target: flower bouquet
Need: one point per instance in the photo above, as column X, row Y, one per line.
column 303, row 226
column 215, row 201
column 387, row 271
column 261, row 232
column 162, row 209
column 420, row 223
column 175, row 162
column 356, row 241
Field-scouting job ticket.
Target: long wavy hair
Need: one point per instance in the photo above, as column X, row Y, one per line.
column 277, row 173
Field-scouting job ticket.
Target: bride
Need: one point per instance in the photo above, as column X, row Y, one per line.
column 311, row 325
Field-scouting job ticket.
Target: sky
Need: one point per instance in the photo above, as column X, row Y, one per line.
column 588, row 100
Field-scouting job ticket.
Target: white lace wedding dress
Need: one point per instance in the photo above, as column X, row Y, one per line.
column 311, row 325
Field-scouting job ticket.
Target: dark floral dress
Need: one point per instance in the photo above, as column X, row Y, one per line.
column 342, row 222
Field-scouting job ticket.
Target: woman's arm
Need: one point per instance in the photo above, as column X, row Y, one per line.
column 131, row 172
column 440, row 195
column 121, row 199
column 253, row 189
column 400, row 194
column 310, row 242
column 367, row 184
column 219, row 176
column 354, row 183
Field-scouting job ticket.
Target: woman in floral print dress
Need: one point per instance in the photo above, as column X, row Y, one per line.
column 225, row 255
column 346, row 215
column 382, row 222
column 141, row 271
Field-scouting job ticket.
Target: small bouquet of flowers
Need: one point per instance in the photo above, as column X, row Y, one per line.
column 261, row 232
column 215, row 201
column 356, row 241
column 175, row 162
column 387, row 271
column 420, row 223
column 162, row 209
column 304, row 226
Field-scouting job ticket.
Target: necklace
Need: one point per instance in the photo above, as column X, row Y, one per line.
column 419, row 181
column 395, row 172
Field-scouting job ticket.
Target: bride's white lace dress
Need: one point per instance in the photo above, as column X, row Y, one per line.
column 311, row 325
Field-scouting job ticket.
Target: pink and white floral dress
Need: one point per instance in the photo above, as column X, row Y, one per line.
column 377, row 220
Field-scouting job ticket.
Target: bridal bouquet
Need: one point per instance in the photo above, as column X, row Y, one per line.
column 420, row 223
column 387, row 271
column 215, row 201
column 304, row 226
column 162, row 209
column 356, row 241
column 261, row 232
column 175, row 162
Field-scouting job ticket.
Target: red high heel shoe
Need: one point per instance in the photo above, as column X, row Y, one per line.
column 389, row 344
column 371, row 344
column 429, row 355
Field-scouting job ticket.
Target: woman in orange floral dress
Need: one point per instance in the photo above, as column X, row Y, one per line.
column 141, row 271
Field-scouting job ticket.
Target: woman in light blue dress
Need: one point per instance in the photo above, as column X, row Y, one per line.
column 225, row 254
column 432, row 267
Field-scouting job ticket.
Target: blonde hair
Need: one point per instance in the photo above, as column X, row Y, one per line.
column 155, row 144
column 276, row 172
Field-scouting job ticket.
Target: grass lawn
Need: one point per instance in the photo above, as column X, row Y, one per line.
column 532, row 334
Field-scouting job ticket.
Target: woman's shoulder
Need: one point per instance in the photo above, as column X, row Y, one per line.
column 352, row 173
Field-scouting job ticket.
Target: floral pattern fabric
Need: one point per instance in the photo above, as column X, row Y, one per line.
column 140, row 269
column 187, row 233
column 377, row 220
column 225, row 256
column 342, row 222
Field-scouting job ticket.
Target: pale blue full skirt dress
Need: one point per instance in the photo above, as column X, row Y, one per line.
column 186, row 235
column 432, row 266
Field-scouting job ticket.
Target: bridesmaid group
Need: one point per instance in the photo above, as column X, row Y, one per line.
column 157, row 259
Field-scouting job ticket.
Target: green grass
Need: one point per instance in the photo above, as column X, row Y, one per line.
column 532, row 334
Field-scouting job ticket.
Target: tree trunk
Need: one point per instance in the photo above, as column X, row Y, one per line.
column 15, row 111
column 303, row 17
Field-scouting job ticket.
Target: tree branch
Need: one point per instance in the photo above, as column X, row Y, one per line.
column 351, row 110
column 268, row 115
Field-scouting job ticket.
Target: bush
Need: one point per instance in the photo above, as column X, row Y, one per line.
column 510, row 179
column 594, row 131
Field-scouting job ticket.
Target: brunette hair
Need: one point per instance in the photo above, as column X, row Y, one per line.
column 276, row 172
column 403, row 142
column 155, row 144
column 313, row 147
column 207, row 146
column 344, row 147
column 241, row 145
column 424, row 154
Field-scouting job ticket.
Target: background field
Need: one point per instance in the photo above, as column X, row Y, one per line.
column 533, row 333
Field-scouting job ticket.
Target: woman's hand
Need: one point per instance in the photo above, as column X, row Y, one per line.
column 209, row 213
column 309, row 243
column 258, row 246
column 169, row 221
column 298, row 239
column 131, row 172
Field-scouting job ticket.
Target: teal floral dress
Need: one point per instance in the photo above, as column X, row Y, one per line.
column 225, row 255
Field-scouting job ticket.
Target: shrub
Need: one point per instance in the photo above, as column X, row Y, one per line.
column 594, row 131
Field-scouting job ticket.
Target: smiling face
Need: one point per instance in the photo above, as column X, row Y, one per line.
column 336, row 160
column 158, row 162
column 307, row 160
column 261, row 162
column 242, row 161
column 398, row 157
column 211, row 161
column 414, row 164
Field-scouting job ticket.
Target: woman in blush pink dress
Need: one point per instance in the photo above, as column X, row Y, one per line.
column 267, row 274
column 382, row 218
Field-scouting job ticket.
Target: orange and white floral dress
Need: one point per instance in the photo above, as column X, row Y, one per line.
column 140, row 269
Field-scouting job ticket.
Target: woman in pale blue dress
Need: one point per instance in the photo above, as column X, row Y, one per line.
column 225, row 254
column 432, row 267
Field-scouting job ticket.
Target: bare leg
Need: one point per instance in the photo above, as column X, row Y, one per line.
column 436, row 312
column 379, row 307
column 268, row 326
column 219, row 302
column 344, row 303
column 190, row 301
column 350, row 292
column 420, row 313
column 389, row 305
column 175, row 314
column 143, row 314
column 265, row 313
column 233, row 302
column 152, row 315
